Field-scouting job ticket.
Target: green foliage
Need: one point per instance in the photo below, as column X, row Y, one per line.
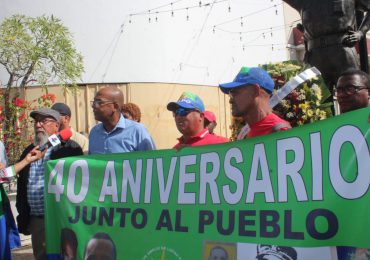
column 38, row 50
column 33, row 50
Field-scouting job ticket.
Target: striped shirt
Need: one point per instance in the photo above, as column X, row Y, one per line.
column 35, row 186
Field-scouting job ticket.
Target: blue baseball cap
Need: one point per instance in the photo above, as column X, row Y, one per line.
column 187, row 100
column 251, row 76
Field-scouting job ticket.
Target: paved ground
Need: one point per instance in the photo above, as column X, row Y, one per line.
column 24, row 252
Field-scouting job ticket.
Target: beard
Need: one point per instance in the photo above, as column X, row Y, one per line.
column 41, row 138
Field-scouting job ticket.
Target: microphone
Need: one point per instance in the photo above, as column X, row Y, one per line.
column 55, row 140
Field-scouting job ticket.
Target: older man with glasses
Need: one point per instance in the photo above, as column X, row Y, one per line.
column 188, row 112
column 353, row 90
column 30, row 185
column 115, row 134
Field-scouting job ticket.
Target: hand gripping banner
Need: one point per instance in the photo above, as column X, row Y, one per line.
column 302, row 189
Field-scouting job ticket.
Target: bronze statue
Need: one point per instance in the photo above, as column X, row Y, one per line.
column 331, row 32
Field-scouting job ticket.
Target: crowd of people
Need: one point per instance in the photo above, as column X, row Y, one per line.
column 120, row 131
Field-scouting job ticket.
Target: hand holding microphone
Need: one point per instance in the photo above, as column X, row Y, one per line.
column 38, row 152
column 55, row 140
column 7, row 174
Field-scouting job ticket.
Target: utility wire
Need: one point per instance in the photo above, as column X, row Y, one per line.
column 117, row 35
column 111, row 57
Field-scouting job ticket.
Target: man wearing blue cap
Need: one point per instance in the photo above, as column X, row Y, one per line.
column 249, row 98
column 188, row 112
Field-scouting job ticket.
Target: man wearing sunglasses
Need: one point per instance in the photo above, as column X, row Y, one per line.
column 353, row 90
column 188, row 112
column 115, row 134
column 249, row 98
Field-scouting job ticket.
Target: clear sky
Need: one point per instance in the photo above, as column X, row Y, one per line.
column 197, row 45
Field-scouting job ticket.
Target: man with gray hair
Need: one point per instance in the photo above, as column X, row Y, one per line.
column 30, row 186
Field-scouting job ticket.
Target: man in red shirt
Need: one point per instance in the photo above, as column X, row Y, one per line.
column 249, row 98
column 188, row 112
column 210, row 121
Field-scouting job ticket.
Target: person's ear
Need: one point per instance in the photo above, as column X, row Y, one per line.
column 257, row 90
column 117, row 106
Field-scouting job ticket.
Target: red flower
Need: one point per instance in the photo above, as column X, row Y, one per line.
column 52, row 98
column 48, row 96
column 1, row 107
column 18, row 102
column 22, row 116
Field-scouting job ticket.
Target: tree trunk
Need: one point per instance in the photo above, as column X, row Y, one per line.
column 7, row 102
column 10, row 119
column 27, row 76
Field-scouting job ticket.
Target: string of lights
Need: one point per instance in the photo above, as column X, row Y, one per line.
column 150, row 12
column 266, row 29
column 153, row 14
column 158, row 7
column 250, row 14
column 199, row 34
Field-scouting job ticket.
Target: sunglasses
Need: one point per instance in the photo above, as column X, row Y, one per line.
column 183, row 111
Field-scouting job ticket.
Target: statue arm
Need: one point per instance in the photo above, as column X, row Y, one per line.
column 355, row 36
column 296, row 4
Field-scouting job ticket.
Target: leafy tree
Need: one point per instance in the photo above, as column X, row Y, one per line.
column 35, row 51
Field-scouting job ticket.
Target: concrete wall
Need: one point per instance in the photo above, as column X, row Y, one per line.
column 290, row 17
column 152, row 98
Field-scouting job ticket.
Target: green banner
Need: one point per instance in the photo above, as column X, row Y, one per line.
column 306, row 187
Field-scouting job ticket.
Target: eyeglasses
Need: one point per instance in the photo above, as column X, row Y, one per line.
column 98, row 103
column 349, row 90
column 44, row 121
column 183, row 111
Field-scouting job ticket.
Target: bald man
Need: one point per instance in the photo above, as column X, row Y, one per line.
column 115, row 134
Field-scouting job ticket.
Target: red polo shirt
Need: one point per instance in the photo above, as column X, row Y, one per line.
column 271, row 123
column 203, row 138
